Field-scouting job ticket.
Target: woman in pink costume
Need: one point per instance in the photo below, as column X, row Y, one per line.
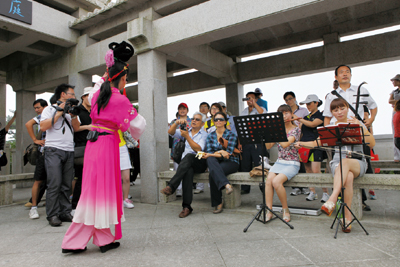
column 101, row 203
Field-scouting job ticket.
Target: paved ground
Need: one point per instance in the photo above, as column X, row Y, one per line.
column 153, row 235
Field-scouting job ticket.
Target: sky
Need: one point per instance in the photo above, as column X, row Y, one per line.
column 377, row 77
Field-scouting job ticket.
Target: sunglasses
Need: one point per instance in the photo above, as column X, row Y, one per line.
column 195, row 119
column 219, row 119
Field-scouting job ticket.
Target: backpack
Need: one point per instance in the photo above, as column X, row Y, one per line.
column 178, row 151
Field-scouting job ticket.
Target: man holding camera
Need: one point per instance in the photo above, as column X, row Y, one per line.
column 59, row 125
column 195, row 141
column 250, row 152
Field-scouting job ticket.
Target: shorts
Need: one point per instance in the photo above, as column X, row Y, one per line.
column 363, row 167
column 124, row 160
column 40, row 170
column 317, row 155
column 288, row 169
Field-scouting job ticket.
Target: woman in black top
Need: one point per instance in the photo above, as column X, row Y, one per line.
column 309, row 132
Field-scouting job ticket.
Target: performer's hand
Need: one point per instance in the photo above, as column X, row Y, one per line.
column 368, row 122
column 297, row 145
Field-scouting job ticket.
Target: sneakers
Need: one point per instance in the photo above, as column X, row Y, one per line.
column 128, row 204
column 132, row 183
column 372, row 194
column 129, row 197
column 72, row 213
column 198, row 191
column 324, row 198
column 199, row 188
column 295, row 192
column 305, row 191
column 33, row 213
column 312, row 196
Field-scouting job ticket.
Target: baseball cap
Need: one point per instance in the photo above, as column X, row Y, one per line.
column 222, row 104
column 258, row 91
column 183, row 105
column 309, row 99
column 397, row 77
column 87, row 90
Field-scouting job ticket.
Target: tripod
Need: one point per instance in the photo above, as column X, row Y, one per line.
column 254, row 129
column 342, row 137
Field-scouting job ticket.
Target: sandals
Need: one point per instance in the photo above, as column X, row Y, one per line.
column 229, row 189
column 286, row 215
column 268, row 216
column 328, row 208
column 219, row 208
column 347, row 228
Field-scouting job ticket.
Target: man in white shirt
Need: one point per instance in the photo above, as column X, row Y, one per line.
column 349, row 93
column 59, row 155
column 250, row 153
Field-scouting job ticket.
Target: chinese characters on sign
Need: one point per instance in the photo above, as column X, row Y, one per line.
column 17, row 9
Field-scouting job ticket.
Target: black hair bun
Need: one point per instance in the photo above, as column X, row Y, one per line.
column 123, row 51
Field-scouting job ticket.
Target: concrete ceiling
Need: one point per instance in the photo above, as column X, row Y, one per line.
column 26, row 46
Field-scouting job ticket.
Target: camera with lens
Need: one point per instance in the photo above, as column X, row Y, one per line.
column 245, row 98
column 71, row 106
column 183, row 127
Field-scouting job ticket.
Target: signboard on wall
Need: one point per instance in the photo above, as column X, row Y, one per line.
column 17, row 9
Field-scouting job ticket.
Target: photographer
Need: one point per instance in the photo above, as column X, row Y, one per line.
column 80, row 144
column 59, row 125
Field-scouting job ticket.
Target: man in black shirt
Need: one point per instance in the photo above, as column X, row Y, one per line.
column 80, row 144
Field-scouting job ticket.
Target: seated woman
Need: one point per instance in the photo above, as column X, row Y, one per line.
column 220, row 161
column 352, row 168
column 287, row 165
column 210, row 126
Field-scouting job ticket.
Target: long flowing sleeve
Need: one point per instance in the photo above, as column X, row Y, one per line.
column 96, row 88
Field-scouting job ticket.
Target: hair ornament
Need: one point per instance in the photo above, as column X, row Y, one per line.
column 110, row 58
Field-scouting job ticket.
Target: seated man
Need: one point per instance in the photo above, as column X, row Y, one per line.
column 195, row 141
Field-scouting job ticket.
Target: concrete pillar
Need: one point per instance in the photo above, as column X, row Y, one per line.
column 80, row 81
column 234, row 95
column 152, row 78
column 25, row 112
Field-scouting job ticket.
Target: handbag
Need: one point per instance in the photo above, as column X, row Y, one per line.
column 224, row 144
column 31, row 154
column 178, row 151
column 257, row 171
column 304, row 154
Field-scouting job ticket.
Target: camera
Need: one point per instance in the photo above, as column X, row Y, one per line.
column 183, row 127
column 71, row 106
column 245, row 99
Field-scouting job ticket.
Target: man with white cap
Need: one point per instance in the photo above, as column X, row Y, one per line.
column 80, row 144
column 261, row 102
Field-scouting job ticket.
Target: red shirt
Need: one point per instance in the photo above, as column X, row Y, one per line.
column 396, row 124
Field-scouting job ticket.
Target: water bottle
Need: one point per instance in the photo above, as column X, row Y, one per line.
column 338, row 202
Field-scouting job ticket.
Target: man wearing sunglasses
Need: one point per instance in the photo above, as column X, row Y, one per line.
column 195, row 141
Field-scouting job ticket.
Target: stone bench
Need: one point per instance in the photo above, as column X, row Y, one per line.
column 6, row 185
column 369, row 181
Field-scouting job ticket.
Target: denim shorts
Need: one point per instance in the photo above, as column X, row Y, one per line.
column 287, row 168
column 363, row 167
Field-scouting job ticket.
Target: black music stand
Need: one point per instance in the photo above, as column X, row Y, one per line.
column 343, row 138
column 261, row 129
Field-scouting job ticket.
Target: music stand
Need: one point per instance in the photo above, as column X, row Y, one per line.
column 260, row 129
column 343, row 135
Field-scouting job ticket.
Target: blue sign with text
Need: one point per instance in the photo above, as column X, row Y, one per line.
column 17, row 9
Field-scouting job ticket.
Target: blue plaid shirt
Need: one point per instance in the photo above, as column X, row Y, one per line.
column 213, row 145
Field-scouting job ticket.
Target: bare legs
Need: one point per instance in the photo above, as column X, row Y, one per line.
column 125, row 182
column 35, row 192
column 351, row 169
column 275, row 182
